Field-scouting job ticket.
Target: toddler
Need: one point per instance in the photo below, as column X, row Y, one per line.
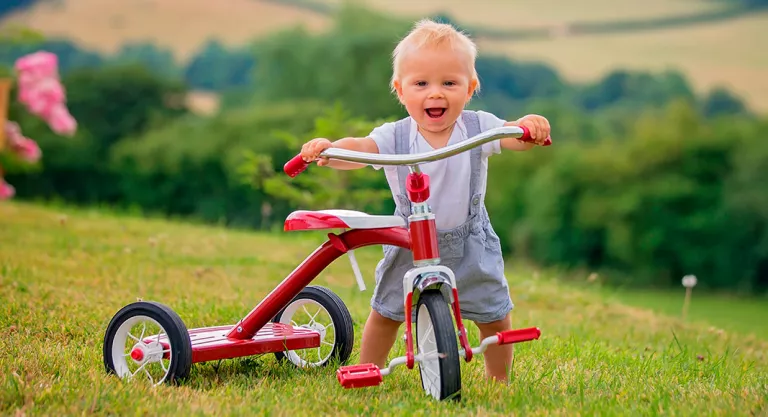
column 434, row 77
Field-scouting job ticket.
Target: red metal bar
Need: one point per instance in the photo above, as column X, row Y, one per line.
column 460, row 324
column 308, row 270
column 424, row 240
column 409, row 357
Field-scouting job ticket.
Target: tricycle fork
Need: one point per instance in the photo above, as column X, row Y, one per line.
column 417, row 280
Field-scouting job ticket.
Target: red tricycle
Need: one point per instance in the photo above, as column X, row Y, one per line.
column 148, row 337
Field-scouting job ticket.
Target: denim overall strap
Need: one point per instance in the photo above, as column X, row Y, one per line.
column 472, row 123
column 402, row 146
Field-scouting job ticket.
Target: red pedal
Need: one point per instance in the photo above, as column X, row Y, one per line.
column 356, row 376
column 518, row 335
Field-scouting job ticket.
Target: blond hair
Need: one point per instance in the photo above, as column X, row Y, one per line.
column 428, row 33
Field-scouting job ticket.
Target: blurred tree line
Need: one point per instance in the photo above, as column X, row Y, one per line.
column 8, row 6
column 647, row 180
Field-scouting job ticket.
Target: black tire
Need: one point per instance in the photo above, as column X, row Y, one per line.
column 342, row 322
column 178, row 336
column 433, row 303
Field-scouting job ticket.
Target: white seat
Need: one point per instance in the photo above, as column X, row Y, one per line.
column 339, row 219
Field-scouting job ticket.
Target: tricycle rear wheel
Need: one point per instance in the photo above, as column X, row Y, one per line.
column 148, row 352
column 313, row 301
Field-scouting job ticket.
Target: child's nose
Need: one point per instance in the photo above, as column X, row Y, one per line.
column 436, row 92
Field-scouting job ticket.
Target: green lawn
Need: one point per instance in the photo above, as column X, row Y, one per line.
column 742, row 315
column 65, row 272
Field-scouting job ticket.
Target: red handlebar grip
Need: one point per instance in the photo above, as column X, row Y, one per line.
column 527, row 137
column 295, row 166
column 526, row 134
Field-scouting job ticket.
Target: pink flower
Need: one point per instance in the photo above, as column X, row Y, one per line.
column 42, row 93
column 38, row 61
column 24, row 147
column 61, row 121
column 6, row 190
column 12, row 131
column 27, row 149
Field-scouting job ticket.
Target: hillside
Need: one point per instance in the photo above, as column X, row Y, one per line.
column 65, row 272
column 727, row 53
column 181, row 25
column 512, row 14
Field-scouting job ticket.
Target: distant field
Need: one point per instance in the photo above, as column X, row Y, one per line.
column 511, row 14
column 181, row 25
column 730, row 53
column 65, row 272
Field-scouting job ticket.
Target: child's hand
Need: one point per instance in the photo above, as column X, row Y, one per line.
column 312, row 149
column 537, row 125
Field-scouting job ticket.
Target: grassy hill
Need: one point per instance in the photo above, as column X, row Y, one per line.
column 181, row 25
column 728, row 53
column 511, row 14
column 65, row 272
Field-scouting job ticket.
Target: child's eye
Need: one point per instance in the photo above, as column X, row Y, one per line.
column 421, row 83
column 449, row 83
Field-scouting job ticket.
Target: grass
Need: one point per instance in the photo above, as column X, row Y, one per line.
column 738, row 314
column 65, row 272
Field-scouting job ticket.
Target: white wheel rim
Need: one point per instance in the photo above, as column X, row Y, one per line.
column 309, row 314
column 151, row 364
column 426, row 344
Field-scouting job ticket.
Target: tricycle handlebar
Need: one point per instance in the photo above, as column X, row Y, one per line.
column 297, row 165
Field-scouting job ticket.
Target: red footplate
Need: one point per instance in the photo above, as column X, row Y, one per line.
column 212, row 343
column 356, row 376
column 518, row 335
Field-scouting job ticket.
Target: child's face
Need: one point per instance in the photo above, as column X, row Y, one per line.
column 434, row 86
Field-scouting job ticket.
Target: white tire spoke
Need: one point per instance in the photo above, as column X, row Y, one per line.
column 140, row 369
column 151, row 380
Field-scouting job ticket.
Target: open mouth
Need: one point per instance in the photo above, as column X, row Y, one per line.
column 435, row 112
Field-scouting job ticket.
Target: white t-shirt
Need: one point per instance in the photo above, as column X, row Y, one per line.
column 449, row 178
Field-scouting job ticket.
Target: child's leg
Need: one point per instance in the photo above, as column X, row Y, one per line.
column 498, row 359
column 379, row 335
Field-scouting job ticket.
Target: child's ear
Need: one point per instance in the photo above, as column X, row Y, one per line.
column 399, row 90
column 472, row 88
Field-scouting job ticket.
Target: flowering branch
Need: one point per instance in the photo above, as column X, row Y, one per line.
column 41, row 93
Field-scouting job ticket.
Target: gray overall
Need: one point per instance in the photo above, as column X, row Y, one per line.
column 472, row 250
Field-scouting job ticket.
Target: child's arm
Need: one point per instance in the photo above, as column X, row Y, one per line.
column 537, row 125
column 313, row 148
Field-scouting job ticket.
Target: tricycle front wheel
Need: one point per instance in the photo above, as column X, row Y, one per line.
column 318, row 308
column 435, row 333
